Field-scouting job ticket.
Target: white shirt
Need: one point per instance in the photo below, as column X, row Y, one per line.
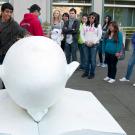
column 91, row 34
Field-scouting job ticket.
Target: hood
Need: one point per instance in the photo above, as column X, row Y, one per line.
column 29, row 16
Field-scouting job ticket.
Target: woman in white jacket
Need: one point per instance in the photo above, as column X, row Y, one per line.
column 91, row 34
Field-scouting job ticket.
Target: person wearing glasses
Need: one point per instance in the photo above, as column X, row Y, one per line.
column 31, row 21
column 91, row 35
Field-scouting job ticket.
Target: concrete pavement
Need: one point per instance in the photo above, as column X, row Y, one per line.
column 118, row 98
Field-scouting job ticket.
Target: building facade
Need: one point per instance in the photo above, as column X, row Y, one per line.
column 123, row 11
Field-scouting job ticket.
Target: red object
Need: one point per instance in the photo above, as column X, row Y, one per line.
column 32, row 24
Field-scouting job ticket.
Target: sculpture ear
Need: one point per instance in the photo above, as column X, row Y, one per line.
column 71, row 68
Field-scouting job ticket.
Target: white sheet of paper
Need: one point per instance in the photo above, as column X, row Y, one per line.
column 78, row 111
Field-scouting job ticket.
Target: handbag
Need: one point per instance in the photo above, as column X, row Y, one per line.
column 121, row 54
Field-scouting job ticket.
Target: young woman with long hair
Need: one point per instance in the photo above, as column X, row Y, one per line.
column 102, row 58
column 91, row 35
column 57, row 25
column 113, row 45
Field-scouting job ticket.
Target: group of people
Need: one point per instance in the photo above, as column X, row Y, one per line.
column 11, row 31
column 91, row 38
column 88, row 35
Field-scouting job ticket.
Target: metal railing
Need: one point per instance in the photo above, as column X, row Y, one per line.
column 129, row 31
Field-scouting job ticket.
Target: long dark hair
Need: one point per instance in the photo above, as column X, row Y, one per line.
column 109, row 20
column 116, row 30
column 96, row 21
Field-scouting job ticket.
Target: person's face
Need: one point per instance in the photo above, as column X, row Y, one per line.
column 92, row 19
column 106, row 19
column 72, row 14
column 56, row 14
column 65, row 18
column 37, row 13
column 111, row 27
column 84, row 19
column 6, row 14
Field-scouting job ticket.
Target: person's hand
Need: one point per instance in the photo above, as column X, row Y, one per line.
column 90, row 43
column 117, row 55
column 86, row 42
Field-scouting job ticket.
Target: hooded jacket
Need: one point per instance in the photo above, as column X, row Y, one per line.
column 32, row 24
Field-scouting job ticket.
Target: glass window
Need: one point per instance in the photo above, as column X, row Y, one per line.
column 133, row 18
column 119, row 14
column 72, row 1
column 108, row 11
column 80, row 9
column 122, row 2
column 3, row 1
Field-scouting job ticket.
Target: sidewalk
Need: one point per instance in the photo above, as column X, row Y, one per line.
column 118, row 98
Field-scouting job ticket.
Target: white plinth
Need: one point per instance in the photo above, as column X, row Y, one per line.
column 13, row 119
column 76, row 113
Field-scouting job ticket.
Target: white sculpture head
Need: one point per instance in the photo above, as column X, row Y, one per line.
column 35, row 73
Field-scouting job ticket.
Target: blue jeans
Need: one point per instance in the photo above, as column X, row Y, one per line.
column 90, row 57
column 131, row 64
column 82, row 56
column 70, row 51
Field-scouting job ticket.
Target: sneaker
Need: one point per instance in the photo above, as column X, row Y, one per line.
column 84, row 74
column 106, row 78
column 111, row 81
column 134, row 84
column 99, row 65
column 91, row 76
column 104, row 65
column 124, row 79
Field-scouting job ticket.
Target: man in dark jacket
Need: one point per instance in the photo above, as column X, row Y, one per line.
column 71, row 31
column 31, row 21
column 10, row 31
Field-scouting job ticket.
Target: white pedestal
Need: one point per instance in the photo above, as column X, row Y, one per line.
column 76, row 113
column 13, row 119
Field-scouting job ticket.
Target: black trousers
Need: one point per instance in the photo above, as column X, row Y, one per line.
column 112, row 65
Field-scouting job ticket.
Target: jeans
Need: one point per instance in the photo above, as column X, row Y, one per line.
column 131, row 64
column 112, row 65
column 82, row 56
column 101, row 53
column 90, row 57
column 70, row 51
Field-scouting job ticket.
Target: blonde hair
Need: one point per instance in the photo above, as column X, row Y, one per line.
column 59, row 17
